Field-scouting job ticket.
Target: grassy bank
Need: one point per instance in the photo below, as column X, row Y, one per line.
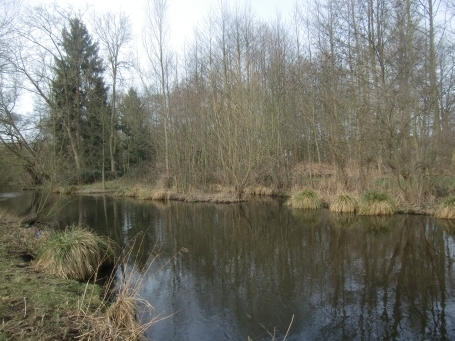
column 327, row 191
column 36, row 305
column 414, row 199
column 145, row 191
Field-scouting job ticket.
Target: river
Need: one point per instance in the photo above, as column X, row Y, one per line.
column 229, row 272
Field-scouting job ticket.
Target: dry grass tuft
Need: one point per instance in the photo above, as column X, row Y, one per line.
column 307, row 199
column 9, row 217
column 75, row 253
column 126, row 316
column 143, row 192
column 259, row 191
column 344, row 203
column 446, row 210
column 122, row 313
column 376, row 203
column 126, row 192
column 160, row 194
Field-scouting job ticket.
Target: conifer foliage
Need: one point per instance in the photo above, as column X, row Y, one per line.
column 80, row 97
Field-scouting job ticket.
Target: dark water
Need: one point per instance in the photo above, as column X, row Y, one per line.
column 229, row 272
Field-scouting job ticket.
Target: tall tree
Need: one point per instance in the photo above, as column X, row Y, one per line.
column 156, row 37
column 135, row 142
column 80, row 97
column 114, row 33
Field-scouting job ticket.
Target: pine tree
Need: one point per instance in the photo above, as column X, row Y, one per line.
column 136, row 141
column 80, row 99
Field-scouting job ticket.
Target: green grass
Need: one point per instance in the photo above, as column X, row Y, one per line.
column 376, row 203
column 446, row 210
column 344, row 203
column 33, row 305
column 307, row 199
column 75, row 253
column 38, row 306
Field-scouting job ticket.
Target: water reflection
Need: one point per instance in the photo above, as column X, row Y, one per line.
column 250, row 267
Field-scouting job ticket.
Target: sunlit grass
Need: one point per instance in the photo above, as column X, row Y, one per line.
column 307, row 199
column 446, row 210
column 376, row 203
column 75, row 253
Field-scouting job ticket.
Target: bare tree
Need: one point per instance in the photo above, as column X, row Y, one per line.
column 155, row 40
column 18, row 135
column 113, row 30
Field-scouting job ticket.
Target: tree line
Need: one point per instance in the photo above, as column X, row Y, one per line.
column 363, row 88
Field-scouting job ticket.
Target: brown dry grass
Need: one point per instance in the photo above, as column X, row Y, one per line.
column 160, row 194
column 260, row 191
column 306, row 199
column 344, row 203
column 54, row 308
column 127, row 316
column 143, row 192
column 446, row 210
column 376, row 203
column 75, row 253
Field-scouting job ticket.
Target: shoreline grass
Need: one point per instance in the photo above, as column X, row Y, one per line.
column 38, row 306
column 376, row 203
column 75, row 253
column 306, row 199
column 446, row 210
column 35, row 306
column 225, row 194
column 344, row 203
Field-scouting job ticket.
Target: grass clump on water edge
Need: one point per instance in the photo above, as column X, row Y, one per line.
column 446, row 210
column 47, row 307
column 376, row 203
column 307, row 199
column 344, row 203
column 75, row 253
column 124, row 315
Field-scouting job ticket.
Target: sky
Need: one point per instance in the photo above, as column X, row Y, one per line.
column 184, row 15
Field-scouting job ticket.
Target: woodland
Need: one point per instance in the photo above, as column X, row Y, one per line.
column 352, row 92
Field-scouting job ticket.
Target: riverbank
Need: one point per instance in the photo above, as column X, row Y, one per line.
column 228, row 195
column 38, row 306
column 216, row 194
column 35, row 306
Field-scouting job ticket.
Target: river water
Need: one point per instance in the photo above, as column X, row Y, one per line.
column 229, row 272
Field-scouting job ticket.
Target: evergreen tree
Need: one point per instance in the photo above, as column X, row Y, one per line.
column 135, row 143
column 80, row 99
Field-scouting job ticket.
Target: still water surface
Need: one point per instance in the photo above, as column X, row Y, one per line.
column 229, row 272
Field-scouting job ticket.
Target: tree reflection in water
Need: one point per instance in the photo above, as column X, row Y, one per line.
column 251, row 266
